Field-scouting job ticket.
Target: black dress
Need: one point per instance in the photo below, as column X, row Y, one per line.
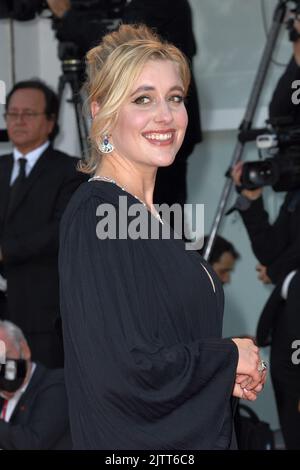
column 145, row 364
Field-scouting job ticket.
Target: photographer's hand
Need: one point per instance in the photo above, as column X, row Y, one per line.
column 59, row 7
column 262, row 274
column 236, row 174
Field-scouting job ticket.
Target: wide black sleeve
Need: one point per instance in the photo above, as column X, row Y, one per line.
column 44, row 241
column 271, row 243
column 47, row 424
column 115, row 352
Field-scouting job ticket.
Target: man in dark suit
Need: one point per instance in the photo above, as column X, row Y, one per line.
column 33, row 401
column 36, row 183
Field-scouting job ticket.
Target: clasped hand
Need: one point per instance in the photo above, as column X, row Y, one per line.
column 249, row 379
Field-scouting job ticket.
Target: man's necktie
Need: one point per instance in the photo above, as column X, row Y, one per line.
column 18, row 183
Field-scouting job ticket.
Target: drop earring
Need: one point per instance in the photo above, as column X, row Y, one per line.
column 105, row 146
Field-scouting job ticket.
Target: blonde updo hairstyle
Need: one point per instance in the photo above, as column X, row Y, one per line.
column 112, row 68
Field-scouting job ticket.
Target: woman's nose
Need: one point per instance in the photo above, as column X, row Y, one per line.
column 163, row 112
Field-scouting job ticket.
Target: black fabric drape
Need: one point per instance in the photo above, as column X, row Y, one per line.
column 144, row 362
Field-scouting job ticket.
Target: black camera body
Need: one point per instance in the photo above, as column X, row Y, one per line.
column 105, row 15
column 21, row 10
column 25, row 10
column 282, row 169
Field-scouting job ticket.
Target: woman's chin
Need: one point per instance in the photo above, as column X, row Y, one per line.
column 166, row 161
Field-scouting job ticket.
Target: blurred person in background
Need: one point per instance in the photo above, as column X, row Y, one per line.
column 277, row 248
column 36, row 183
column 222, row 258
column 33, row 401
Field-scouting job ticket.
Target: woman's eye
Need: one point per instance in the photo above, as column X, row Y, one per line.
column 176, row 98
column 142, row 100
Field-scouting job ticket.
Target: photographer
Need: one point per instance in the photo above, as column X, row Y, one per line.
column 78, row 23
column 84, row 26
column 277, row 247
column 281, row 104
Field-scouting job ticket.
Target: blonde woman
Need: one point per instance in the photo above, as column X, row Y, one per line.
column 146, row 367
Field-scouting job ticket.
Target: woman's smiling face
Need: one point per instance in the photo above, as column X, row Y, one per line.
column 151, row 123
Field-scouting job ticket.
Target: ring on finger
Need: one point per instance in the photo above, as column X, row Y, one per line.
column 262, row 366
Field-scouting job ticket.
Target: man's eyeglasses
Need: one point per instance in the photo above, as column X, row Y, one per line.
column 26, row 115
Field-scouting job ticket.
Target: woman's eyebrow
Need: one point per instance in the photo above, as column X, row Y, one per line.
column 151, row 88
column 143, row 88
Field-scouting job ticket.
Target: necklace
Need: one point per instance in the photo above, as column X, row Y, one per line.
column 110, row 180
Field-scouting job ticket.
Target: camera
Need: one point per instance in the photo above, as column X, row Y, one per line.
column 24, row 10
column 104, row 15
column 21, row 10
column 281, row 169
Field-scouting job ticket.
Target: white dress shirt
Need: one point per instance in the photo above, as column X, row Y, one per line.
column 31, row 157
column 3, row 284
column 12, row 403
column 286, row 284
